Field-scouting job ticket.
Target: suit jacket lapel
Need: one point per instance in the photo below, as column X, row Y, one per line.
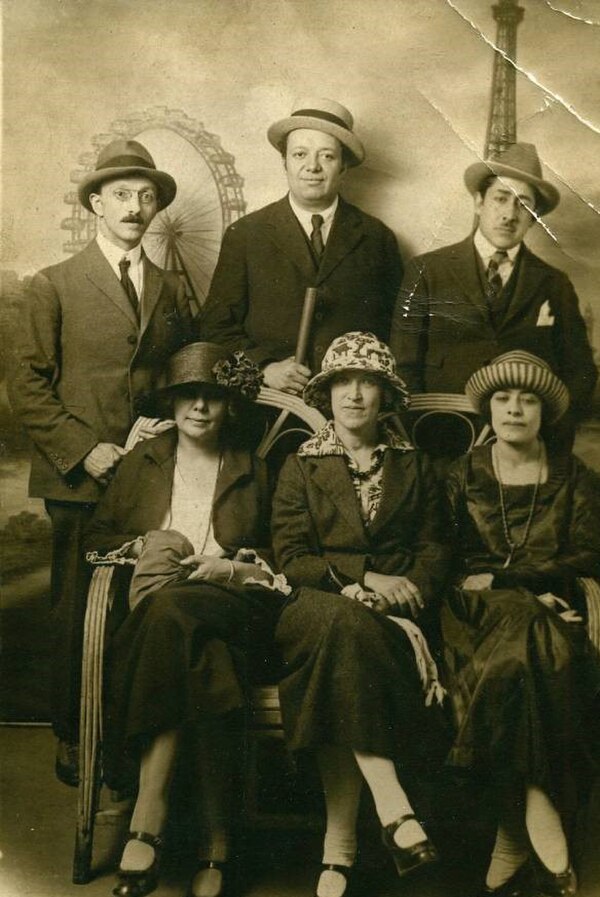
column 530, row 275
column 463, row 267
column 285, row 231
column 236, row 464
column 346, row 232
column 394, row 490
column 153, row 281
column 331, row 476
column 101, row 275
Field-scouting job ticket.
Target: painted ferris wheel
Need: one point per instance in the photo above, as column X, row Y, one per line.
column 186, row 236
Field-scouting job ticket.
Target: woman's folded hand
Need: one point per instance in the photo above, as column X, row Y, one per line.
column 478, row 581
column 555, row 603
column 209, row 567
column 397, row 594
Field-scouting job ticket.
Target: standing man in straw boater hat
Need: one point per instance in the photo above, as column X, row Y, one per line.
column 95, row 331
column 310, row 238
column 462, row 305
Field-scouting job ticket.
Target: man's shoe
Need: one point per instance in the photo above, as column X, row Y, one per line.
column 66, row 765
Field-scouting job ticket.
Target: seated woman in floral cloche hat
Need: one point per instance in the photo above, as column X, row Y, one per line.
column 358, row 532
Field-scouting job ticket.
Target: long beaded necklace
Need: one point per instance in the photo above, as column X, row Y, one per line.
column 513, row 546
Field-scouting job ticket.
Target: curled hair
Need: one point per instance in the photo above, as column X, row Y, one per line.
column 489, row 180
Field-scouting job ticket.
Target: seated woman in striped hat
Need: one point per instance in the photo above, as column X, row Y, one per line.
column 521, row 676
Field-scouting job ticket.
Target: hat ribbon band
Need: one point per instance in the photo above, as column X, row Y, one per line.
column 326, row 116
column 126, row 162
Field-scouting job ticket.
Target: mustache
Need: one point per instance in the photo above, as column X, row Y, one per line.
column 132, row 219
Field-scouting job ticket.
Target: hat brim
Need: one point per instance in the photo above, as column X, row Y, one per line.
column 314, row 389
column 93, row 180
column 479, row 171
column 280, row 129
column 541, row 381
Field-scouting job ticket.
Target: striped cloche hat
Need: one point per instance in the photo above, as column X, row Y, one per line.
column 519, row 370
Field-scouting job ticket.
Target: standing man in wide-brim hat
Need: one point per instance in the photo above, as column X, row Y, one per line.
column 95, row 332
column 310, row 238
column 464, row 304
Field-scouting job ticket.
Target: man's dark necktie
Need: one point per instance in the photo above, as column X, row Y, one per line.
column 128, row 286
column 316, row 236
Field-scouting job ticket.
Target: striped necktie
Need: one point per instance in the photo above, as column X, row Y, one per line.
column 493, row 274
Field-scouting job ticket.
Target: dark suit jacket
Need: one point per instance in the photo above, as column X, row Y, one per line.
column 257, row 292
column 82, row 361
column 442, row 331
column 316, row 520
column 139, row 496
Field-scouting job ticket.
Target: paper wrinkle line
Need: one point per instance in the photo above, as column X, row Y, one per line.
column 471, row 146
column 570, row 15
column 532, row 78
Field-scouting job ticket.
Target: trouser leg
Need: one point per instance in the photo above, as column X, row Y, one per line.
column 69, row 581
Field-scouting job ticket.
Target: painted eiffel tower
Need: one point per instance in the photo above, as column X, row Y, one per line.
column 502, row 121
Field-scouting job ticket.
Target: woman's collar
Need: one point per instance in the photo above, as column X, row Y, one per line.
column 326, row 442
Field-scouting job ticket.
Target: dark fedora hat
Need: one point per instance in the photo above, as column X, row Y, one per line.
column 122, row 159
column 521, row 162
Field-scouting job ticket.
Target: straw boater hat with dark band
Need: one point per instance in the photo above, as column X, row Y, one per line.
column 126, row 159
column 521, row 162
column 356, row 351
column 319, row 114
column 519, row 370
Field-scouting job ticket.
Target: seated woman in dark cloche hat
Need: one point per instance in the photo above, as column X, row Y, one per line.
column 190, row 508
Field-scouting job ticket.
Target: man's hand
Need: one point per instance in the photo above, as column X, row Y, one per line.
column 99, row 463
column 397, row 594
column 152, row 428
column 478, row 581
column 286, row 375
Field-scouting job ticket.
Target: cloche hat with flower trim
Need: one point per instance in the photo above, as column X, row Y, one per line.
column 519, row 370
column 356, row 351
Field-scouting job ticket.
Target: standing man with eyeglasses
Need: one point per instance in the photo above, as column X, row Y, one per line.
column 94, row 335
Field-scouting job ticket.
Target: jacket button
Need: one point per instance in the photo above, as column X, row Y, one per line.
column 318, row 316
column 132, row 339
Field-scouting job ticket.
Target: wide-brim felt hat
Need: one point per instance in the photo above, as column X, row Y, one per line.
column 319, row 114
column 356, row 351
column 122, row 159
column 519, row 370
column 521, row 162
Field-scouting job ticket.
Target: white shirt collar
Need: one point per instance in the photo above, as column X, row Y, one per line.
column 487, row 249
column 114, row 254
column 304, row 216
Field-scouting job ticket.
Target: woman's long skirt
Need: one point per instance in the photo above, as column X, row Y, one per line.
column 517, row 673
column 350, row 678
column 187, row 652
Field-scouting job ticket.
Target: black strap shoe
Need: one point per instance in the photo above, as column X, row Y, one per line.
column 133, row 883
column 407, row 859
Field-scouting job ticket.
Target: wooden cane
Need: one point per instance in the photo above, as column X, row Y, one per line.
column 308, row 311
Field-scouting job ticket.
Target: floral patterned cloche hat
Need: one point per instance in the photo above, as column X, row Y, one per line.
column 356, row 351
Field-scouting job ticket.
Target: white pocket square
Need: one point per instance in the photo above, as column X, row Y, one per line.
column 545, row 317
